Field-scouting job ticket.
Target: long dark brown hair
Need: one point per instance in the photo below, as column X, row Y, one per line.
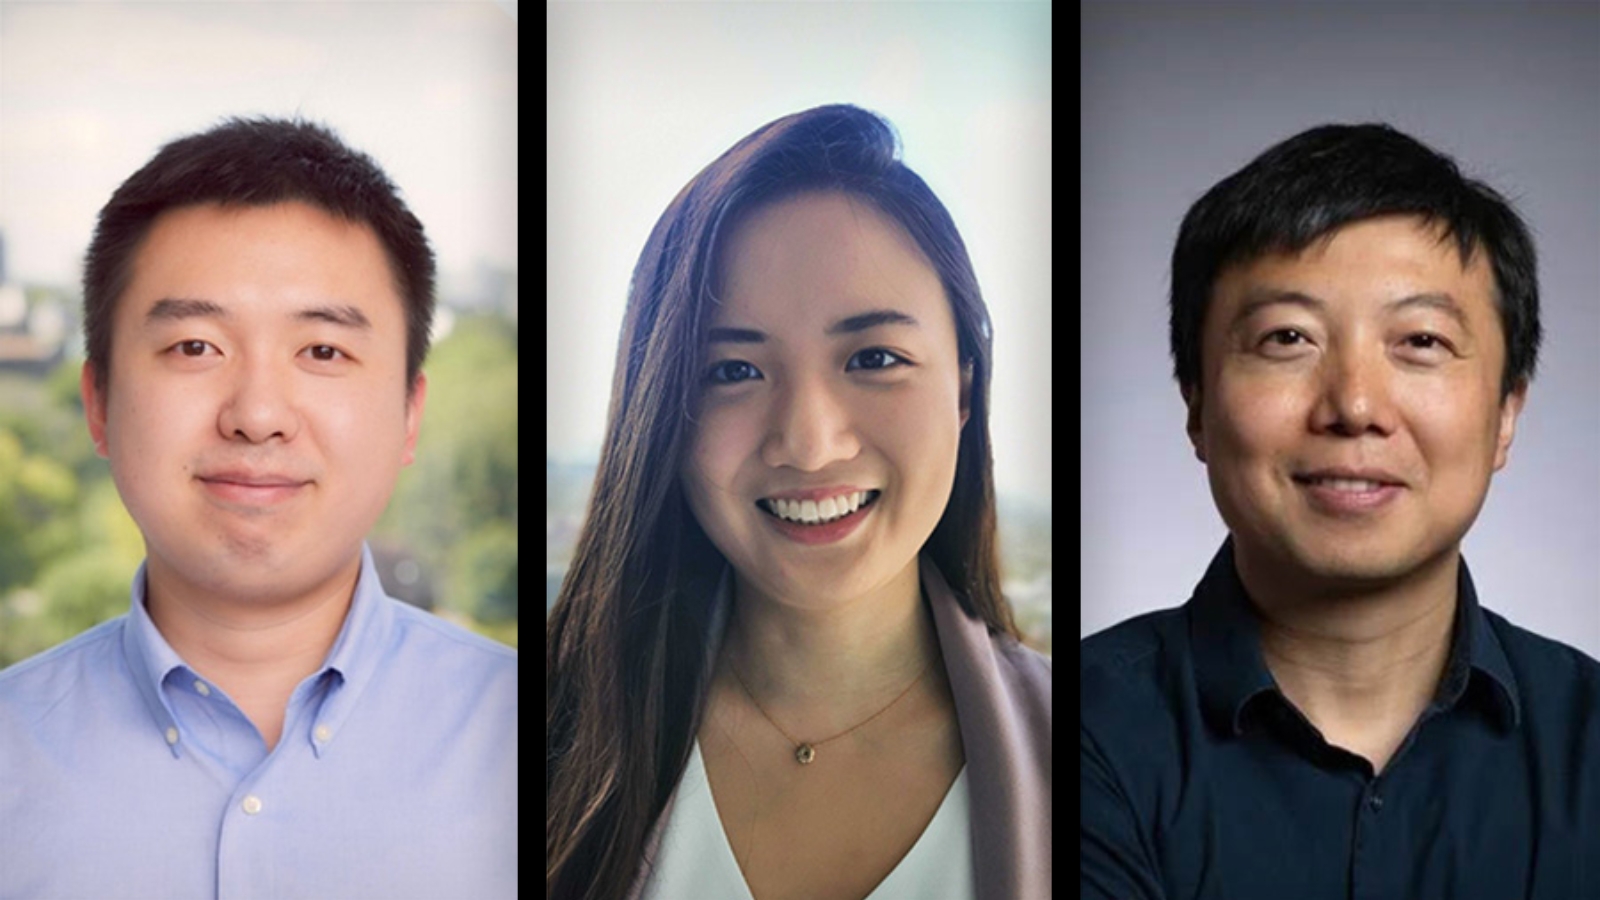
column 625, row 643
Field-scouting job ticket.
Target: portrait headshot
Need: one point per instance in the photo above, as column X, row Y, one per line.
column 1366, row 458
column 232, row 665
column 788, row 653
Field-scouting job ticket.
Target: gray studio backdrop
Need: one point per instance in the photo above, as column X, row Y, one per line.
column 1175, row 96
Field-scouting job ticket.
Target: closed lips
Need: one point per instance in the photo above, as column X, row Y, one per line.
column 813, row 512
column 253, row 480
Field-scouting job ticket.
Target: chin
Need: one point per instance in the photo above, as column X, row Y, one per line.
column 1365, row 559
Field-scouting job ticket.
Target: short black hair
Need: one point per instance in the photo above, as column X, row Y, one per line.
column 1330, row 176
column 257, row 162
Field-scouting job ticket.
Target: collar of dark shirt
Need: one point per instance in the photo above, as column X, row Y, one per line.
column 1231, row 672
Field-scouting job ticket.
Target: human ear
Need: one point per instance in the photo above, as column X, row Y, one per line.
column 1510, row 409
column 1195, row 427
column 94, row 409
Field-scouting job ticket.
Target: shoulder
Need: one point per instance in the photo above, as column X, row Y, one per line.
column 450, row 649
column 1551, row 676
column 1541, row 655
column 1022, row 668
column 33, row 687
column 1139, row 703
column 1128, row 662
column 1004, row 698
column 440, row 683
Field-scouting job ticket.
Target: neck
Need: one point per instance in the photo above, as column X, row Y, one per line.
column 820, row 671
column 252, row 646
column 1367, row 657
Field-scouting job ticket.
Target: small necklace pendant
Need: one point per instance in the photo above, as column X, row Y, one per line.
column 805, row 754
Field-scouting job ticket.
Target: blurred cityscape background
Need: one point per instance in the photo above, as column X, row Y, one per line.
column 89, row 93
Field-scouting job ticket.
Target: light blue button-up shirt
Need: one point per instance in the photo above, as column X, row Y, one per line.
column 125, row 774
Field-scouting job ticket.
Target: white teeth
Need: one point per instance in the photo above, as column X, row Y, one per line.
column 811, row 512
column 1354, row 485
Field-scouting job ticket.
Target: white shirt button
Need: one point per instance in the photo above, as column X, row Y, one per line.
column 252, row 805
column 202, row 688
column 322, row 734
column 172, row 735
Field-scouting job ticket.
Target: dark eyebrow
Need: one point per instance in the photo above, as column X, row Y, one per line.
column 170, row 310
column 347, row 316
column 1440, row 301
column 851, row 325
column 1259, row 298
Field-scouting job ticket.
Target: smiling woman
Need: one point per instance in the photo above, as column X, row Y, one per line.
column 785, row 594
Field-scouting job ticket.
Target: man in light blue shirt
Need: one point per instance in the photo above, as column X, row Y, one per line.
column 265, row 721
column 126, row 773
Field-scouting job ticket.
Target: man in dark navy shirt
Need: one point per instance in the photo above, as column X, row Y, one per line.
column 1333, row 715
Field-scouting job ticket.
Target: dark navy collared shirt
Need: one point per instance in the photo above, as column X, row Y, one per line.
column 1201, row 780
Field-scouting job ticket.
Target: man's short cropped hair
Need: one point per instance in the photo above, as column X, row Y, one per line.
column 255, row 163
column 1320, row 180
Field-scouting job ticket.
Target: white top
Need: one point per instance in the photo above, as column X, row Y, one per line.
column 696, row 861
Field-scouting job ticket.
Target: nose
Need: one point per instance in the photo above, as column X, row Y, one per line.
column 1354, row 396
column 810, row 429
column 259, row 405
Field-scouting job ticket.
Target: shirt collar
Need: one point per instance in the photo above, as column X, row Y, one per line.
column 353, row 658
column 1231, row 671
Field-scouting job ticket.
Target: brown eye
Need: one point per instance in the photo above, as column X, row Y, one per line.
column 191, row 348
column 1286, row 337
column 882, row 359
column 732, row 371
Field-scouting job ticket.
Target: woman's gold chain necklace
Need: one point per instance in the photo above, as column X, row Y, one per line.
column 805, row 752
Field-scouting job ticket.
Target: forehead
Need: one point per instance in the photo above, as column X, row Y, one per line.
column 261, row 259
column 1368, row 263
column 819, row 256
